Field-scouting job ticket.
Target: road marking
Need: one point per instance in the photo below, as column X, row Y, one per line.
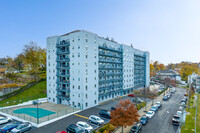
column 81, row 116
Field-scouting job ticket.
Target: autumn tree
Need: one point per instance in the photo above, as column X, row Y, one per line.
column 125, row 114
column 32, row 57
column 19, row 62
column 161, row 66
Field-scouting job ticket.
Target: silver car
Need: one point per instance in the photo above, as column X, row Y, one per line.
column 22, row 128
column 95, row 119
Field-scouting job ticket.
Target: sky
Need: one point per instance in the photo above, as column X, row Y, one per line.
column 168, row 29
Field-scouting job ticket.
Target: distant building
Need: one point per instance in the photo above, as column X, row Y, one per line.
column 192, row 78
column 197, row 83
column 84, row 69
column 2, row 69
column 11, row 70
column 163, row 74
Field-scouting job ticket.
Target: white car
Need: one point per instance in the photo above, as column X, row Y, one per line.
column 150, row 114
column 158, row 104
column 86, row 127
column 5, row 120
column 95, row 119
column 179, row 113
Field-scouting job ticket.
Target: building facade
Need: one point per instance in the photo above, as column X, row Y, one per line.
column 84, row 69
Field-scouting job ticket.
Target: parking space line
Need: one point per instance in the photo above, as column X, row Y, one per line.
column 81, row 116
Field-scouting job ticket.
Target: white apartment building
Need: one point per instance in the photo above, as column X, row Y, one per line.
column 84, row 69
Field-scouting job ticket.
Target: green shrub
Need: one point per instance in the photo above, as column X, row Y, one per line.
column 107, row 128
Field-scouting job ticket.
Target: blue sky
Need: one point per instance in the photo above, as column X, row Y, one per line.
column 168, row 29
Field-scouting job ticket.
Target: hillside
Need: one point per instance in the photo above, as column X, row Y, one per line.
column 39, row 90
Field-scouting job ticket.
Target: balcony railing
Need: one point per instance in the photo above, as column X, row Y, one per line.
column 111, row 49
column 63, row 59
column 64, row 97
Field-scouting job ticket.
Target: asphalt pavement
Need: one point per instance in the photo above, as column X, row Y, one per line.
column 162, row 121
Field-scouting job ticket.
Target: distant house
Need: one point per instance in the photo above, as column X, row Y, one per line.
column 173, row 75
column 192, row 78
column 197, row 83
column 11, row 70
column 2, row 69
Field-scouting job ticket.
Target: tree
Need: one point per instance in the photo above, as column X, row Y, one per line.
column 161, row 66
column 151, row 68
column 157, row 68
column 19, row 62
column 32, row 57
column 167, row 82
column 125, row 114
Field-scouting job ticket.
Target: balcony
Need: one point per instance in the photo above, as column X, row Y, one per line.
column 110, row 55
column 63, row 60
column 110, row 74
column 108, row 87
column 110, row 80
column 111, row 61
column 67, row 97
column 119, row 50
column 63, row 52
column 63, row 43
column 62, row 74
column 63, row 90
column 110, row 67
column 62, row 67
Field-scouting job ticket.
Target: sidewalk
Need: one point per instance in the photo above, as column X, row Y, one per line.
column 141, row 112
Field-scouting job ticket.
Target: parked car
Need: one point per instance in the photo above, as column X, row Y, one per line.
column 86, row 127
column 150, row 114
column 180, row 108
column 165, row 97
column 72, row 128
column 95, row 119
column 137, row 128
column 154, row 108
column 185, row 94
column 138, row 100
column 179, row 113
column 8, row 127
column 4, row 120
column 183, row 100
column 176, row 120
column 144, row 120
column 61, row 132
column 105, row 114
column 173, row 90
column 131, row 95
column 168, row 96
column 22, row 128
column 158, row 104
column 183, row 103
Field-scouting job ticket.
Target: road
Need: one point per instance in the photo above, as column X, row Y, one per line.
column 162, row 121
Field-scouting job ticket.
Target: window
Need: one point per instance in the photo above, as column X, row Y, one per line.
column 86, row 56
column 73, row 86
column 86, row 104
column 79, row 79
column 86, row 64
column 78, row 54
column 73, row 103
column 72, row 55
column 73, row 47
column 78, row 95
column 86, row 40
column 95, row 71
column 78, row 47
column 78, row 87
column 53, row 99
column 95, row 63
column 95, row 101
column 86, row 88
column 95, row 85
column 86, row 96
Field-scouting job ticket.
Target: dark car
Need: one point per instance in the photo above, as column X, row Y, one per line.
column 165, row 98
column 137, row 128
column 176, row 120
column 8, row 127
column 183, row 100
column 112, row 108
column 105, row 114
column 73, row 128
column 144, row 120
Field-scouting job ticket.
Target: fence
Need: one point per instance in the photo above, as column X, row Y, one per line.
column 38, row 119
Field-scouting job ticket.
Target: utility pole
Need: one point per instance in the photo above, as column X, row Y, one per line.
column 196, row 114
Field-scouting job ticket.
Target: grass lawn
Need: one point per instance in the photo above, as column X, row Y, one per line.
column 39, row 90
column 190, row 120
